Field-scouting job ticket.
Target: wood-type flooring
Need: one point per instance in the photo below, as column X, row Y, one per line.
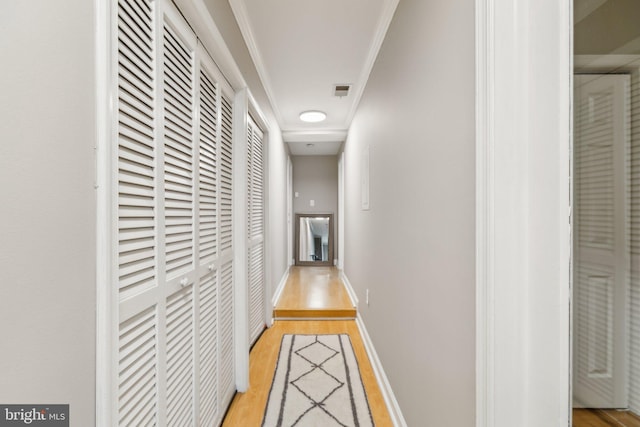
column 315, row 301
column 604, row 418
column 247, row 409
column 314, row 292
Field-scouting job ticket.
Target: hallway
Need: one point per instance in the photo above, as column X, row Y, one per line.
column 146, row 234
column 310, row 293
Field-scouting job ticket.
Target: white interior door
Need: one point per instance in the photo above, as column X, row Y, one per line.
column 601, row 243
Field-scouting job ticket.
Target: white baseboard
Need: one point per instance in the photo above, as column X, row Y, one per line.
column 349, row 288
column 381, row 377
column 280, row 288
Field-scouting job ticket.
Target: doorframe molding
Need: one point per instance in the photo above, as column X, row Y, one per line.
column 341, row 200
column 106, row 302
column 523, row 142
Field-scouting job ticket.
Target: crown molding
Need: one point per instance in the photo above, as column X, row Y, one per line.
column 315, row 136
column 376, row 44
column 242, row 17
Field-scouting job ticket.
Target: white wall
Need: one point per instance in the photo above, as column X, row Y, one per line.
column 316, row 178
column 47, row 205
column 415, row 248
column 277, row 151
column 277, row 200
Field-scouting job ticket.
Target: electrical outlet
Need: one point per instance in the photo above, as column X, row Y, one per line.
column 367, row 298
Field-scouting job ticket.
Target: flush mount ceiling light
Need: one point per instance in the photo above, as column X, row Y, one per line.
column 312, row 116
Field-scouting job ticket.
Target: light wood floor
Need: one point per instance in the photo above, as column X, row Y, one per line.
column 247, row 409
column 604, row 418
column 314, row 292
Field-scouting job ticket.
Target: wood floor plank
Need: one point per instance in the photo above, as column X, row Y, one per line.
column 604, row 418
column 314, row 292
column 247, row 409
column 349, row 313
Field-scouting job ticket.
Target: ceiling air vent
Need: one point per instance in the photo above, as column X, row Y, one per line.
column 341, row 90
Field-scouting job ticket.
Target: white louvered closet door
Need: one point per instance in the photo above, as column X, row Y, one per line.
column 137, row 232
column 178, row 47
column 226, row 369
column 216, row 338
column 255, row 231
column 601, row 248
column 175, row 350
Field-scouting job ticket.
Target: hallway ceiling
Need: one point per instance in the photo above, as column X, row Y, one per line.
column 302, row 49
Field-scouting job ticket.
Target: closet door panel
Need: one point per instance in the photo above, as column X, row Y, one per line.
column 136, row 154
column 136, row 354
column 226, row 351
column 208, row 350
column 208, row 168
column 178, row 137
column 255, row 230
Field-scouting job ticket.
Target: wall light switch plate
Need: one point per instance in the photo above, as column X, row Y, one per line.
column 312, row 203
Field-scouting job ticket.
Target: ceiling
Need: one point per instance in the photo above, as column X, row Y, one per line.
column 302, row 49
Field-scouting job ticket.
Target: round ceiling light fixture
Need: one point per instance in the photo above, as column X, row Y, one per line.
column 313, row 116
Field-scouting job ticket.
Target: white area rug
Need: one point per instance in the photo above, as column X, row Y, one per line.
column 317, row 383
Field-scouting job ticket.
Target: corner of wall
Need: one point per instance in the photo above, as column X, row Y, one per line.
column 352, row 293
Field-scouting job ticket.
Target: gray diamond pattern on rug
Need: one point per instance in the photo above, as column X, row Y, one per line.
column 317, row 384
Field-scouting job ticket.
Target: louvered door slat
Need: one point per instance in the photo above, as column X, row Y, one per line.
column 134, row 99
column 226, row 176
column 208, row 349
column 135, row 164
column 225, row 375
column 135, row 45
column 208, row 203
column 136, row 153
column 180, row 333
column 178, row 153
column 137, row 371
column 256, row 291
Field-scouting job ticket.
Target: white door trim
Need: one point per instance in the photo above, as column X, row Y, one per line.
column 290, row 260
column 341, row 211
column 241, row 290
column 106, row 306
column 523, row 141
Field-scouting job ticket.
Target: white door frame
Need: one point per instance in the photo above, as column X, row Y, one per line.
column 523, row 242
column 341, row 210
column 290, row 260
